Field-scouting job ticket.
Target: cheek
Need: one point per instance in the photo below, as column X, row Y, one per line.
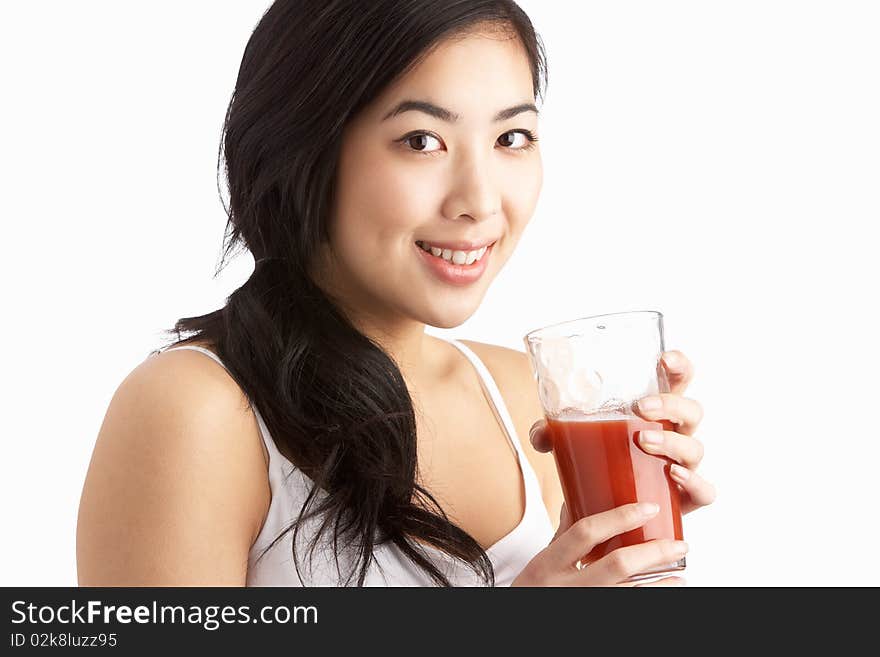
column 383, row 202
column 522, row 197
column 378, row 211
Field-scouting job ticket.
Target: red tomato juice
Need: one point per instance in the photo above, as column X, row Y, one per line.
column 602, row 466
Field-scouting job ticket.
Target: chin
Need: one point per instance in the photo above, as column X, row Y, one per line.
column 447, row 318
column 446, row 324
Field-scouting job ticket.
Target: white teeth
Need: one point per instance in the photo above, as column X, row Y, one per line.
column 455, row 257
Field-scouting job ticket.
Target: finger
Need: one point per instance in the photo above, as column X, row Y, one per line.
column 666, row 581
column 686, row 450
column 587, row 533
column 624, row 562
column 698, row 492
column 679, row 371
column 685, row 413
column 539, row 435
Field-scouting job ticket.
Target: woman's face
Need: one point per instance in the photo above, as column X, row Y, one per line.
column 469, row 177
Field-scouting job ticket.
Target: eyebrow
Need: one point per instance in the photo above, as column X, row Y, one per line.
column 451, row 117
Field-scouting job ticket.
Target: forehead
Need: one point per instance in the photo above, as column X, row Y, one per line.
column 473, row 75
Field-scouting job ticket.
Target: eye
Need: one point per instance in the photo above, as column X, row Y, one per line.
column 418, row 142
column 529, row 139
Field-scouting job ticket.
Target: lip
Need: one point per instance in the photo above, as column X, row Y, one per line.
column 459, row 275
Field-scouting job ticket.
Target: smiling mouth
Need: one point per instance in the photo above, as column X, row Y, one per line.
column 453, row 257
column 449, row 272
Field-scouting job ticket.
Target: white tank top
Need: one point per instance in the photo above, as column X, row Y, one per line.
column 390, row 567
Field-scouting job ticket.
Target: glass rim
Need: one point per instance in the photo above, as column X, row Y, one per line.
column 536, row 334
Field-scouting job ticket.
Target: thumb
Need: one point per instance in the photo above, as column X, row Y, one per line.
column 540, row 437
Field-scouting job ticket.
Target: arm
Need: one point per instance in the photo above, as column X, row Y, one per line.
column 176, row 489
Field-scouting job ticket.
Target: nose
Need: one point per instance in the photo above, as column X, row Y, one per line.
column 474, row 192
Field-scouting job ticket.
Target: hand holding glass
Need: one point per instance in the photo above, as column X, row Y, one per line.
column 590, row 373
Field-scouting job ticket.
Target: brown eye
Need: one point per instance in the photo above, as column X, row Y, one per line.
column 528, row 140
column 418, row 142
column 503, row 139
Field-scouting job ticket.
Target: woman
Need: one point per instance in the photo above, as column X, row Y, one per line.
column 382, row 164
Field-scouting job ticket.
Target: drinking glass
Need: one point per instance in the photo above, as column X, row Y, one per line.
column 590, row 374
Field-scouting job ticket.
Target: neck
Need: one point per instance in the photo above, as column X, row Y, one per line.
column 401, row 337
column 403, row 340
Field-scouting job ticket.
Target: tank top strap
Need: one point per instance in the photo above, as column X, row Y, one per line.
column 494, row 393
column 513, row 550
column 207, row 352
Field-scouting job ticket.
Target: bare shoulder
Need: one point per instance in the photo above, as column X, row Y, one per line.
column 177, row 488
column 513, row 373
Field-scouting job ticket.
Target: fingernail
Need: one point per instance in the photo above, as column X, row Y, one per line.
column 650, row 403
column 673, row 361
column 678, row 472
column 648, row 508
column 680, row 547
column 651, row 437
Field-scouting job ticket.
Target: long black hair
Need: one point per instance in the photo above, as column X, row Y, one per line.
column 334, row 401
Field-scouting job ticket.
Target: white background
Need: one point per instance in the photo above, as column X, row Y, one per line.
column 716, row 161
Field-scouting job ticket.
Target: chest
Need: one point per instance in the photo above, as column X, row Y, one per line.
column 467, row 462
